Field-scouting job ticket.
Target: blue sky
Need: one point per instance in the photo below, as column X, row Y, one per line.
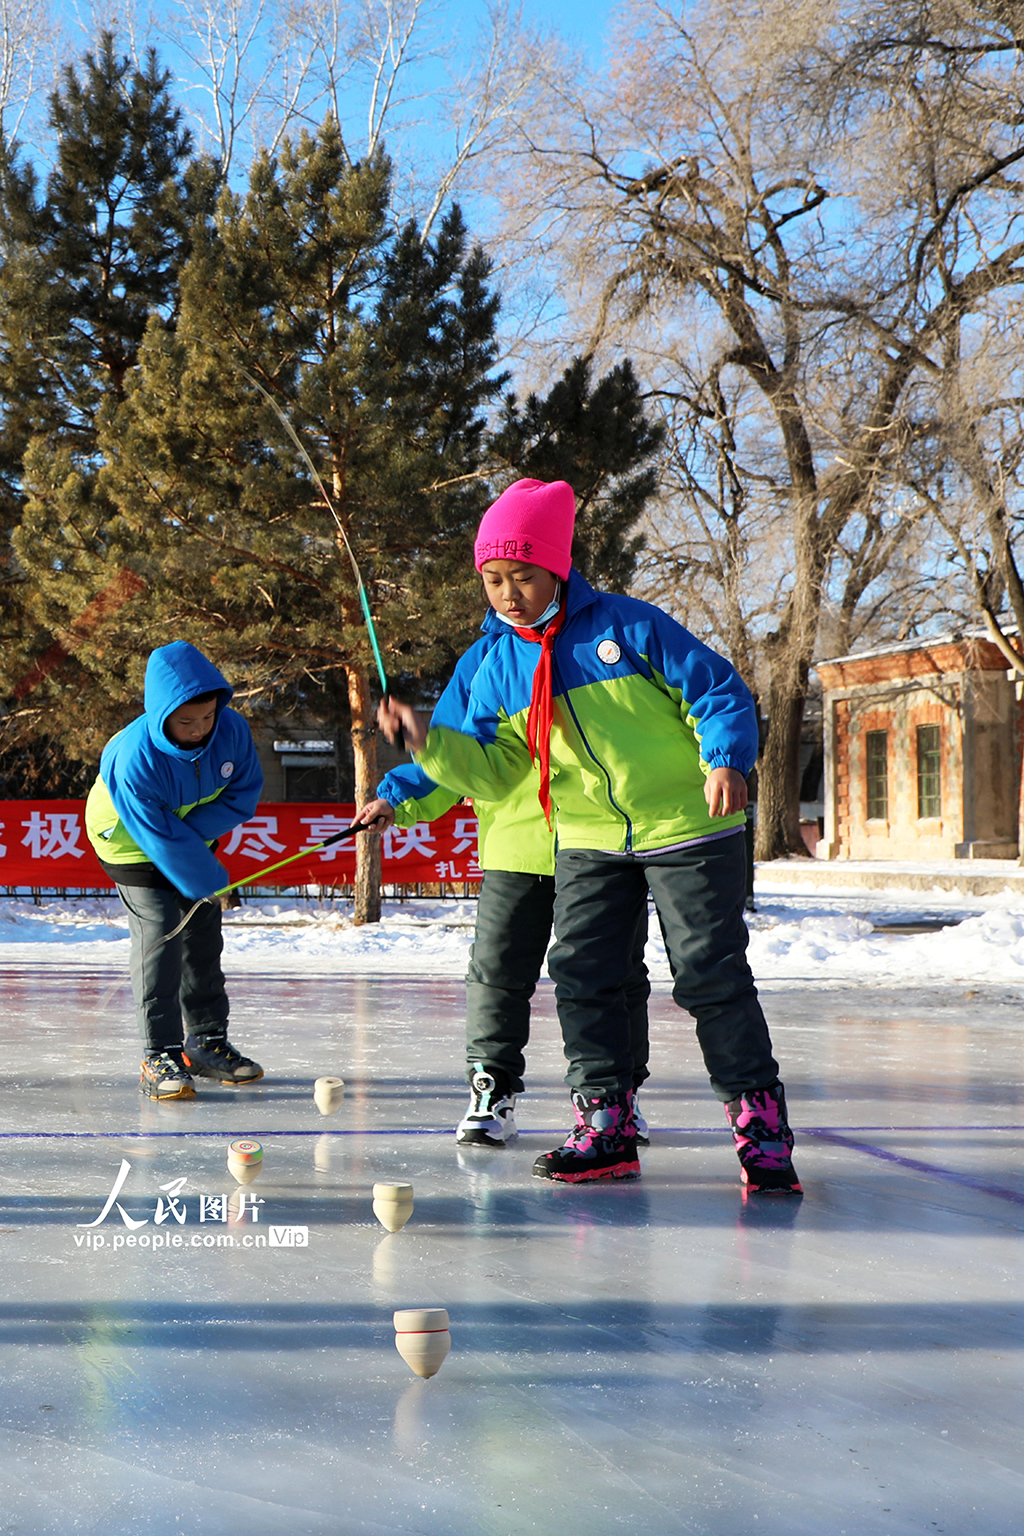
column 583, row 21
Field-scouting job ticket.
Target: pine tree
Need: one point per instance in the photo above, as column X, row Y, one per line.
column 379, row 348
column 600, row 441
column 85, row 266
column 82, row 267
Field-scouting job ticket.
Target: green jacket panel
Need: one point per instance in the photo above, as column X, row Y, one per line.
column 513, row 833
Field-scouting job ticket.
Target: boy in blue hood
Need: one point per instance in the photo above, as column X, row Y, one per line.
column 170, row 784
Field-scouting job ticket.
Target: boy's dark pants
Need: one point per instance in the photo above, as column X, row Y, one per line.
column 699, row 895
column 513, row 929
column 174, row 977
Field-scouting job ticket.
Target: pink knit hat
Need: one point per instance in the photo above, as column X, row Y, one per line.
column 532, row 521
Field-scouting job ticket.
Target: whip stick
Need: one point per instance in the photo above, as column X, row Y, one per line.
column 357, row 826
column 360, row 589
column 328, row 503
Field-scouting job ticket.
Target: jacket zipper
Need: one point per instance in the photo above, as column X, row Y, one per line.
column 583, row 737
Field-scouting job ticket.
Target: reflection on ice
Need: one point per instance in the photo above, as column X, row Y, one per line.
column 409, row 1431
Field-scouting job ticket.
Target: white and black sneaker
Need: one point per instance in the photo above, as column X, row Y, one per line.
column 489, row 1121
column 643, row 1130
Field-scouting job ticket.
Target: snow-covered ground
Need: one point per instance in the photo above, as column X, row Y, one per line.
column 797, row 937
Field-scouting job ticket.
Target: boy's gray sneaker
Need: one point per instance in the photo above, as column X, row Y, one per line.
column 164, row 1076
column 218, row 1059
column 489, row 1121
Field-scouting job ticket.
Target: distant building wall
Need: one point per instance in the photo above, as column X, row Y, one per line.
column 300, row 765
column 922, row 753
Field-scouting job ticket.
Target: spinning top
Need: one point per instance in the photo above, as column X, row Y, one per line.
column 245, row 1160
column 328, row 1093
column 422, row 1338
column 392, row 1205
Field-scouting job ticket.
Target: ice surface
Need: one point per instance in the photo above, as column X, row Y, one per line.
column 650, row 1358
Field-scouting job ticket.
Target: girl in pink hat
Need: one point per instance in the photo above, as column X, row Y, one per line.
column 637, row 739
column 514, row 911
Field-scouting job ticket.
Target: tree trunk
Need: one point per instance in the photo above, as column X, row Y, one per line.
column 364, row 754
column 778, row 789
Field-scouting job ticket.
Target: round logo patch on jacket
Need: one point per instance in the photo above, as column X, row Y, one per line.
column 609, row 652
column 226, row 770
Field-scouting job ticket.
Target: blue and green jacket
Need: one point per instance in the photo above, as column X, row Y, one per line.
column 642, row 712
column 156, row 802
column 513, row 832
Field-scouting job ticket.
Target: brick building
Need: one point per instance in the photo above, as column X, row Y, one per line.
column 922, row 745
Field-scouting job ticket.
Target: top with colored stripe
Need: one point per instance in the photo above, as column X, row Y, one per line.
column 157, row 802
column 642, row 712
column 513, row 833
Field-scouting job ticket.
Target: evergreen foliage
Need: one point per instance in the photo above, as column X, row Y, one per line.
column 380, row 349
column 84, row 265
column 41, row 769
column 156, row 494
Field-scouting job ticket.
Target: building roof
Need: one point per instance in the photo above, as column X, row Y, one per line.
column 920, row 643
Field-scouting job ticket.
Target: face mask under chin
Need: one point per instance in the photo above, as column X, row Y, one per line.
column 549, row 613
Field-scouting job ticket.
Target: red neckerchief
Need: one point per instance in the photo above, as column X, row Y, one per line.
column 538, row 721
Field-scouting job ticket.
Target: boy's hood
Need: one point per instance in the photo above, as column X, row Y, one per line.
column 174, row 674
column 579, row 594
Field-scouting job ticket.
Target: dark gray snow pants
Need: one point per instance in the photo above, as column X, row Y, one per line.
column 513, row 929
column 699, row 893
column 175, row 982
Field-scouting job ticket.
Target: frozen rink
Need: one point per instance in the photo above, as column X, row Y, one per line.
column 648, row 1358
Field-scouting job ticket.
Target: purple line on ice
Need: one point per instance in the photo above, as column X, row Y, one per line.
column 822, row 1133
column 966, row 1180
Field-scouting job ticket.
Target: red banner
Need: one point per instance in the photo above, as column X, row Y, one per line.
column 43, row 843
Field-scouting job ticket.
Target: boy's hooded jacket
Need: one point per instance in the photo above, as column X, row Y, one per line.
column 642, row 712
column 157, row 802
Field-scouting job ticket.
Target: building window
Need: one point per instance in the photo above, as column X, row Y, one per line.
column 929, row 772
column 313, row 773
column 878, row 775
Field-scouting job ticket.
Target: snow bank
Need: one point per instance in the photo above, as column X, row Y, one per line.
column 985, row 948
column 803, row 938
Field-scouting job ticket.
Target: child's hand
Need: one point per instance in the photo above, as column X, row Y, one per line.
column 725, row 790
column 393, row 716
column 378, row 815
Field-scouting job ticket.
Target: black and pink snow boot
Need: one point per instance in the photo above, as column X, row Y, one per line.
column 601, row 1145
column 764, row 1141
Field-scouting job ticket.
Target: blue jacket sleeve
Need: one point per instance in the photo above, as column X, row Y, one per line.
column 408, row 782
column 414, row 796
column 239, row 799
column 479, row 755
column 471, row 748
column 175, row 848
column 714, row 699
